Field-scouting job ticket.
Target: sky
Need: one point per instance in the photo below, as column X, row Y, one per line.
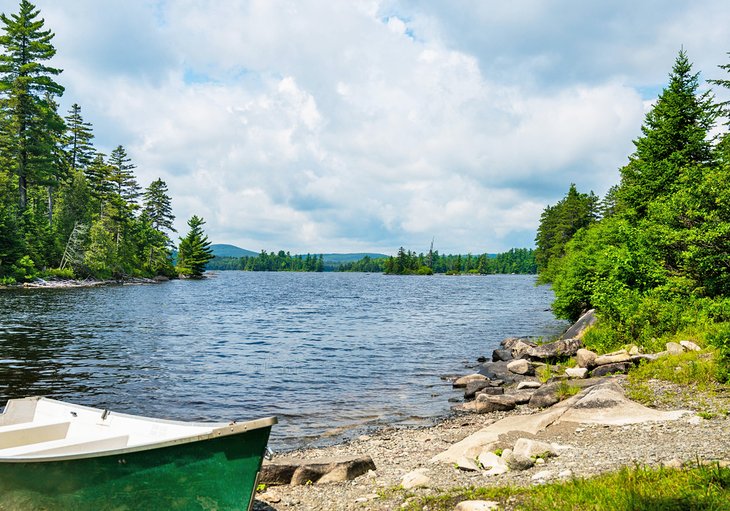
column 366, row 125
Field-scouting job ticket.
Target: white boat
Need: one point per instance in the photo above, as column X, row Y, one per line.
column 56, row 455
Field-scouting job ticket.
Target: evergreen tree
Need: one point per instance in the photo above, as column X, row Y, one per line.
column 122, row 178
column 194, row 251
column 78, row 139
column 157, row 206
column 26, row 83
column 675, row 138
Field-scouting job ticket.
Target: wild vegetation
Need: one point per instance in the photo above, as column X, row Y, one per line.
column 652, row 256
column 66, row 208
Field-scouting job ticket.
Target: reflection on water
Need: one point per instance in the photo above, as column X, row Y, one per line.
column 324, row 352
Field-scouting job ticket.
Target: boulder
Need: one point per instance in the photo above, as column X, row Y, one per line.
column 606, row 369
column 556, row 349
column 475, row 386
column 502, row 355
column 602, row 360
column 490, row 391
column 647, row 357
column 489, row 460
column 533, row 448
column 510, row 342
column 323, row 470
column 415, row 479
column 462, row 382
column 585, row 358
column 486, row 403
column 674, row 349
column 519, row 462
column 580, row 327
column 634, row 350
column 497, row 371
column 576, row 372
column 689, row 346
column 521, row 347
column 521, row 398
column 520, row 366
column 547, row 395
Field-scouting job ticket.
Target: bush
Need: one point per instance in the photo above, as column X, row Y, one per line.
column 720, row 339
column 24, row 269
column 58, row 273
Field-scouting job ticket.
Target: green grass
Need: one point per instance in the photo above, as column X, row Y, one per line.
column 698, row 368
column 698, row 488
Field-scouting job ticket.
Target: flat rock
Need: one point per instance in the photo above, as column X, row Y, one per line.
column 519, row 462
column 689, row 346
column 521, row 397
column 529, row 385
column 464, row 380
column 322, row 470
column 579, row 328
column 576, row 372
column 477, row 505
column 520, row 366
column 496, row 371
column 585, row 358
column 606, row 369
column 491, row 391
column 612, row 359
column 556, row 349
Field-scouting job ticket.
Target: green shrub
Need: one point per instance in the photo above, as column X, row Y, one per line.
column 24, row 269
column 720, row 339
column 65, row 273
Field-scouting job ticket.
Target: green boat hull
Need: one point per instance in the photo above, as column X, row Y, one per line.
column 216, row 474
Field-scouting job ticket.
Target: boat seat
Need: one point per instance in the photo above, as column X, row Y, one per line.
column 66, row 446
column 23, row 434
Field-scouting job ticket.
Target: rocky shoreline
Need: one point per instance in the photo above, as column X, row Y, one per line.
column 504, row 435
column 57, row 283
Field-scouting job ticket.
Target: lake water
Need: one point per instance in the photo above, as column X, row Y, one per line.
column 328, row 353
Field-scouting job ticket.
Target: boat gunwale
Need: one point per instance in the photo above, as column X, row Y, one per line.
column 220, row 429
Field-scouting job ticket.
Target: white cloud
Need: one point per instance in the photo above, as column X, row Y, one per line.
column 338, row 126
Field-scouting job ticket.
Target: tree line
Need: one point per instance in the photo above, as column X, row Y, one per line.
column 653, row 255
column 66, row 208
column 406, row 262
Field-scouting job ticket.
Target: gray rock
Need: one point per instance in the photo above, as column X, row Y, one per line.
column 415, row 479
column 503, row 355
column 689, row 346
column 519, row 462
column 486, row 403
column 547, row 395
column 580, row 327
column 576, row 372
column 522, row 397
column 461, row 382
column 520, row 366
column 477, row 505
column 602, row 360
column 674, row 349
column 604, row 370
column 510, row 342
column 324, row 470
column 647, row 357
column 533, row 448
column 556, row 349
column 491, row 391
column 521, row 347
column 585, row 358
column 529, row 385
column 496, row 371
column 473, row 387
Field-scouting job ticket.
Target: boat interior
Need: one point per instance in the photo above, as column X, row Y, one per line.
column 38, row 427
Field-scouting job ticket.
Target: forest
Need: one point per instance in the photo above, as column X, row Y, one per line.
column 66, row 208
column 653, row 255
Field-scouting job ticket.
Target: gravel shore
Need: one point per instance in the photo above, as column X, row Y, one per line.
column 590, row 449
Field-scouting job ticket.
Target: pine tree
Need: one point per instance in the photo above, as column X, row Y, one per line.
column 157, row 206
column 78, row 140
column 122, row 178
column 25, row 85
column 675, row 138
column 194, row 251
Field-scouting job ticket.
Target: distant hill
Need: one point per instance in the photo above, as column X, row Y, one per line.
column 347, row 258
column 223, row 250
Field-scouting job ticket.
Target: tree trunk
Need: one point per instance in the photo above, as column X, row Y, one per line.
column 22, row 185
column 50, row 205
